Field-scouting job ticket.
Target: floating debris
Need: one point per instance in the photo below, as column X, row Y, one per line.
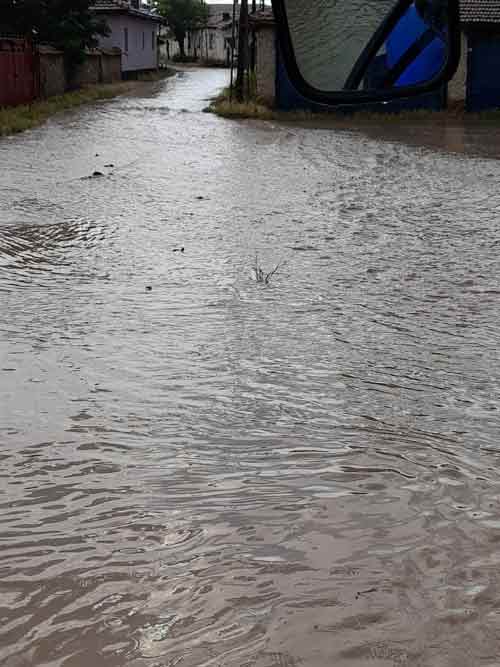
column 95, row 174
column 369, row 590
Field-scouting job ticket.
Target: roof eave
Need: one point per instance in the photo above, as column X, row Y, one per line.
column 483, row 25
column 129, row 11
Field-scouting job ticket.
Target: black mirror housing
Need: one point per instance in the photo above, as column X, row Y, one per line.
column 403, row 49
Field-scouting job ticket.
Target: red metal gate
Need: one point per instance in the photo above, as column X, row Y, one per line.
column 18, row 72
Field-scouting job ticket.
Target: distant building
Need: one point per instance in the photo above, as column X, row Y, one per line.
column 134, row 30
column 217, row 36
column 211, row 43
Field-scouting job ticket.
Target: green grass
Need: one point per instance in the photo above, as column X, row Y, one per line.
column 256, row 109
column 21, row 118
column 228, row 109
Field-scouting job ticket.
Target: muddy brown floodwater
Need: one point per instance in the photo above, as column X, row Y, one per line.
column 215, row 472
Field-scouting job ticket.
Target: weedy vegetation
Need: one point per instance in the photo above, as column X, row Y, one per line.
column 260, row 275
column 25, row 117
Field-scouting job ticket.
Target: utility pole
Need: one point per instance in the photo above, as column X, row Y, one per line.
column 233, row 47
column 242, row 70
column 253, row 48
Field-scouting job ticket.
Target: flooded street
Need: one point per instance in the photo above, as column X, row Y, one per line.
column 217, row 472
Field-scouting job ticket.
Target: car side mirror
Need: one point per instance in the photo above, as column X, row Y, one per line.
column 359, row 51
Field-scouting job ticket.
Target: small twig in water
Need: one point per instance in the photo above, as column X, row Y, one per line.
column 262, row 277
column 271, row 273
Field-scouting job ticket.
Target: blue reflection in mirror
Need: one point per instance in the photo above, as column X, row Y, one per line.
column 415, row 51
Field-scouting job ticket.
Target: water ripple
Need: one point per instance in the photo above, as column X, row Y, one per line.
column 215, row 472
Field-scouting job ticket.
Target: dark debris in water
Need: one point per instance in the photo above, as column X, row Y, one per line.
column 304, row 248
column 369, row 590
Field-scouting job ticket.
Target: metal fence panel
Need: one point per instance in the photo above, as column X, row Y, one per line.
column 18, row 72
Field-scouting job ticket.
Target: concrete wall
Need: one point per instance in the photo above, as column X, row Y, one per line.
column 51, row 71
column 215, row 48
column 89, row 72
column 111, row 66
column 458, row 85
column 265, row 66
column 99, row 67
column 141, row 52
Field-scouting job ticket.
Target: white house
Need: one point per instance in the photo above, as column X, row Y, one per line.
column 211, row 43
column 218, row 33
column 134, row 30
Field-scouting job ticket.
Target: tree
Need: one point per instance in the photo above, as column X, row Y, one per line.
column 183, row 16
column 68, row 25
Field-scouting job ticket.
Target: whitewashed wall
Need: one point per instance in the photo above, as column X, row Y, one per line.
column 142, row 51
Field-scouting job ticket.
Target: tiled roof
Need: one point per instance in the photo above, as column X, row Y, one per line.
column 122, row 6
column 480, row 11
column 471, row 11
column 110, row 5
column 263, row 17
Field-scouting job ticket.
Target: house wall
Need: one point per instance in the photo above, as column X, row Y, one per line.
column 210, row 45
column 265, row 65
column 141, row 53
column 217, row 49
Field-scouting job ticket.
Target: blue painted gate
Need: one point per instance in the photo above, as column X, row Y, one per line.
column 483, row 65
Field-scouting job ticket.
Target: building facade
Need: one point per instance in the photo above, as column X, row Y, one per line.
column 218, row 33
column 134, row 30
column 210, row 44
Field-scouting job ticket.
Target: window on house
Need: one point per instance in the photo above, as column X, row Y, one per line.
column 226, row 16
column 153, row 40
column 125, row 39
column 143, row 41
column 211, row 41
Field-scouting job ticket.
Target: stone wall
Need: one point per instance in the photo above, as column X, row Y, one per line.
column 265, row 66
column 100, row 66
column 111, row 66
column 51, row 72
column 89, row 72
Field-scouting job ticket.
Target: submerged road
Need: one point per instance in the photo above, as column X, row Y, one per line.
column 217, row 472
